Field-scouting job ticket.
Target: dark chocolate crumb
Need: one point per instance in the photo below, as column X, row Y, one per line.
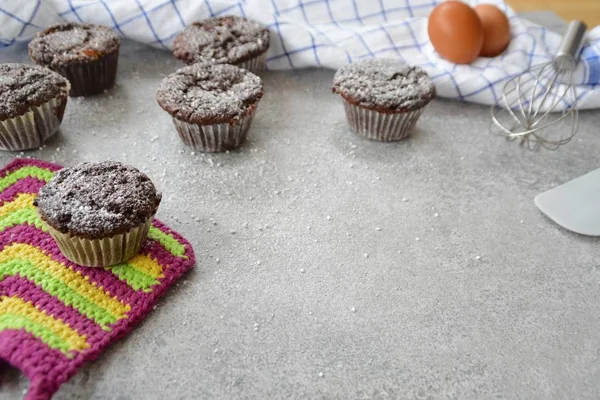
column 206, row 93
column 385, row 85
column 23, row 86
column 63, row 44
column 224, row 40
column 97, row 200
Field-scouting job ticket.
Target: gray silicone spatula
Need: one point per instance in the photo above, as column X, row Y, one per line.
column 574, row 205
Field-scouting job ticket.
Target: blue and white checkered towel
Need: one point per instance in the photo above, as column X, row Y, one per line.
column 325, row 33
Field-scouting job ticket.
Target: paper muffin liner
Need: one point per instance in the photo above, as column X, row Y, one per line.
column 256, row 65
column 101, row 252
column 32, row 129
column 89, row 78
column 214, row 138
column 385, row 127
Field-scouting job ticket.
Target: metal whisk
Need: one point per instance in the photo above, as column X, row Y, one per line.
column 527, row 110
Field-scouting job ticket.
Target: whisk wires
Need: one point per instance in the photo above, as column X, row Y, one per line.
column 527, row 112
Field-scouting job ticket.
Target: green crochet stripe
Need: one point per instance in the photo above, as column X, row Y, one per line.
column 36, row 172
column 168, row 242
column 134, row 278
column 11, row 321
column 19, row 217
column 30, row 216
column 58, row 289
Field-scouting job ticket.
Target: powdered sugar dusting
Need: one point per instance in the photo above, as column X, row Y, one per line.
column 98, row 199
column 385, row 84
column 209, row 93
column 228, row 39
column 23, row 86
column 66, row 43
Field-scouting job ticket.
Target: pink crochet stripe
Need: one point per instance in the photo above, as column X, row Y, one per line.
column 48, row 368
column 28, row 291
column 43, row 241
column 118, row 288
column 19, row 163
column 27, row 185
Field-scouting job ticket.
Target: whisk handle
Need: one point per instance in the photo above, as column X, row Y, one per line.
column 566, row 57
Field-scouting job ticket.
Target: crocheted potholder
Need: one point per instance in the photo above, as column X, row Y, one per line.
column 55, row 315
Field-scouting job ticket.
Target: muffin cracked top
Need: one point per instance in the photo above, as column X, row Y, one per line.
column 224, row 40
column 207, row 93
column 72, row 43
column 97, row 200
column 384, row 85
column 23, row 86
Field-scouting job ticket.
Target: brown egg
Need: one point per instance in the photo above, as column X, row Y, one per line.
column 455, row 32
column 496, row 30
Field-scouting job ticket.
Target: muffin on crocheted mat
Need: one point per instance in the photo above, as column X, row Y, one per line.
column 85, row 54
column 383, row 98
column 224, row 40
column 212, row 105
column 32, row 105
column 98, row 213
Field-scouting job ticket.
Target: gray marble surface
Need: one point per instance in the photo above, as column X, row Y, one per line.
column 334, row 267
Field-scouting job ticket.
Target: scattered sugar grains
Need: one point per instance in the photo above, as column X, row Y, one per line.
column 353, row 309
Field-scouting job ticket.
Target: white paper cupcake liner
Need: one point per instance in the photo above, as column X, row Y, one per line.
column 381, row 126
column 214, row 138
column 91, row 78
column 101, row 252
column 32, row 129
column 256, row 65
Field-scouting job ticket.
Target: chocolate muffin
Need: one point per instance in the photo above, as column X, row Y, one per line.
column 212, row 105
column 383, row 98
column 85, row 54
column 224, row 40
column 32, row 105
column 98, row 213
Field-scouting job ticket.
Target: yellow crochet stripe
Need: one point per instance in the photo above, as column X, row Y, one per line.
column 56, row 288
column 76, row 281
column 147, row 265
column 17, row 313
column 140, row 272
column 23, row 200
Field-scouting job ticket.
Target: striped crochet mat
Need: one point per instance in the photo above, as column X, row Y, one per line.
column 55, row 315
